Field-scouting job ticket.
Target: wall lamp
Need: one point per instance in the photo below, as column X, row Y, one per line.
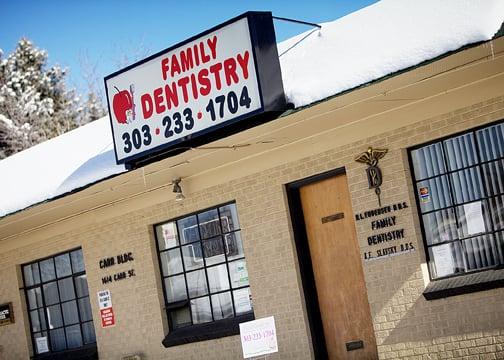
column 179, row 196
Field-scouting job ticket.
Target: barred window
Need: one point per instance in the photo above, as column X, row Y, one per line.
column 459, row 183
column 58, row 304
column 203, row 267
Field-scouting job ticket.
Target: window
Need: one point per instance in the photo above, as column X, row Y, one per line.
column 459, row 185
column 58, row 304
column 204, row 273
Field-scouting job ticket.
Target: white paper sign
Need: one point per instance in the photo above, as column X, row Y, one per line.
column 474, row 218
column 104, row 299
column 443, row 259
column 242, row 300
column 239, row 276
column 41, row 343
column 258, row 337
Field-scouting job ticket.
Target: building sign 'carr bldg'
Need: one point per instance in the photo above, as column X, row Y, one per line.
column 225, row 75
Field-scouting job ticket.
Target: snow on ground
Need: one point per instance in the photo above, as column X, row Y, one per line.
column 381, row 39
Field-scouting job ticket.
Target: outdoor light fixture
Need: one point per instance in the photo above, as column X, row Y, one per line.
column 177, row 189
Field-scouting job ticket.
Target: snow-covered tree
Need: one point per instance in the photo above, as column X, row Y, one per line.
column 35, row 104
column 93, row 107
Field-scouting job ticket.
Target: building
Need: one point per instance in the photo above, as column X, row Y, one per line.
column 397, row 257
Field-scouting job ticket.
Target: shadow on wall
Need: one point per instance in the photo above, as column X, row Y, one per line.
column 402, row 320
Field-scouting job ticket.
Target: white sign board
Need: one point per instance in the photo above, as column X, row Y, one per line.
column 171, row 96
column 104, row 299
column 242, row 301
column 443, row 259
column 41, row 343
column 473, row 214
column 258, row 337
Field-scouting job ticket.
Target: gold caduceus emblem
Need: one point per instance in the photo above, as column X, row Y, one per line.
column 371, row 157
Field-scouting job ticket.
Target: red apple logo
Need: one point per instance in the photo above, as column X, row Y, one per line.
column 122, row 105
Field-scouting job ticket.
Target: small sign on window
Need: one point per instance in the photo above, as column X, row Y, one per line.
column 42, row 346
column 424, row 194
column 475, row 221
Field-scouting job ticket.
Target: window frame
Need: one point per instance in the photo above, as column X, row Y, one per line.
column 468, row 281
column 86, row 350
column 213, row 329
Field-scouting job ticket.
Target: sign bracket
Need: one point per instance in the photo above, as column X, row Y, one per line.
column 297, row 21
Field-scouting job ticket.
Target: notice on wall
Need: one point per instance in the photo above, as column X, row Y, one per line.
column 41, row 343
column 107, row 317
column 443, row 259
column 104, row 299
column 106, row 310
column 474, row 218
column 6, row 314
column 258, row 337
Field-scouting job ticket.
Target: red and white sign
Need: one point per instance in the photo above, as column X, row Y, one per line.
column 175, row 94
column 106, row 310
column 107, row 317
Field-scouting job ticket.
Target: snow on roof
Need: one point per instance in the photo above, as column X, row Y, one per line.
column 378, row 40
column 57, row 166
column 383, row 38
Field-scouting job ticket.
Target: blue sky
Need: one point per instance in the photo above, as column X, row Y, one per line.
column 109, row 34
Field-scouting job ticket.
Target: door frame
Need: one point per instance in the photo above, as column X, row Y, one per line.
column 304, row 258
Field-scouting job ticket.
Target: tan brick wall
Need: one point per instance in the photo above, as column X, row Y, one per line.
column 407, row 326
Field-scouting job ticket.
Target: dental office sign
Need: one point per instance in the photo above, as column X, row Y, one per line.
column 205, row 84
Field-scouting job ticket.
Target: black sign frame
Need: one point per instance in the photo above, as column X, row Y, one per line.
column 10, row 314
column 269, row 79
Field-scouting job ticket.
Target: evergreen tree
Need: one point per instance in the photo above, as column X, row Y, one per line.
column 35, row 104
column 93, row 107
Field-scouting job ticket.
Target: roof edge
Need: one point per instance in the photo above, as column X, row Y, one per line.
column 497, row 35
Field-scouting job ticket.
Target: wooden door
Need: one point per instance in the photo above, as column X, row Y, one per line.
column 337, row 269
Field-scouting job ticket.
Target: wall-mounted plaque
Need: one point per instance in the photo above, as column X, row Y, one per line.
column 6, row 314
column 374, row 174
